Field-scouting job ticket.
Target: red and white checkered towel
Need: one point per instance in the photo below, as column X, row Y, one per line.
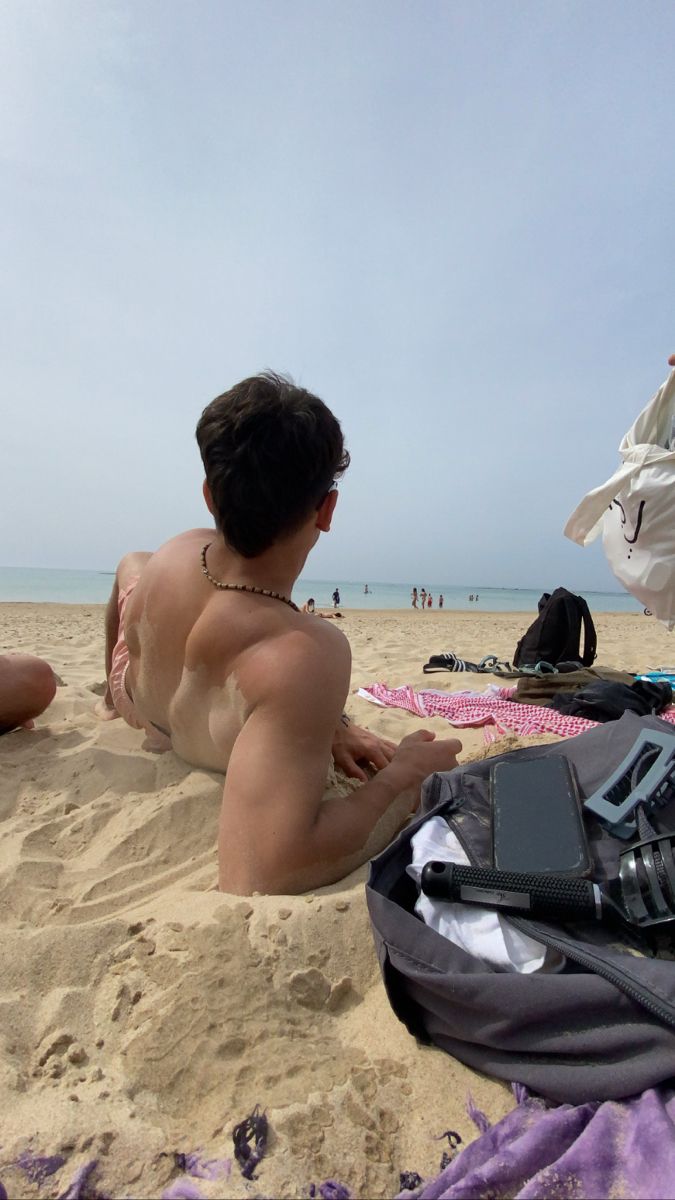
column 491, row 707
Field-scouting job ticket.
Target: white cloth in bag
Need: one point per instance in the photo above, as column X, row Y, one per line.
column 635, row 509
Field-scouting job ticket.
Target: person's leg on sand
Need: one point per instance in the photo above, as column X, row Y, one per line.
column 27, row 687
column 127, row 573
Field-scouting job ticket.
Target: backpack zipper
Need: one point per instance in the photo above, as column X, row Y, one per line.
column 598, row 966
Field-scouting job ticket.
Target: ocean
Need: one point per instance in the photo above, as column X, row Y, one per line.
column 42, row 585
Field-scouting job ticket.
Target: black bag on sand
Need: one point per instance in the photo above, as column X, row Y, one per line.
column 541, row 689
column 605, row 701
column 555, row 635
column 601, row 1029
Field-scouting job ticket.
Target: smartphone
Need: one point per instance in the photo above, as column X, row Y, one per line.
column 537, row 823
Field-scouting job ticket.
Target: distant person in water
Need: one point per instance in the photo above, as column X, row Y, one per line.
column 413, row 597
column 430, row 600
column 207, row 653
column 336, row 598
column 440, row 600
column 423, row 598
column 27, row 688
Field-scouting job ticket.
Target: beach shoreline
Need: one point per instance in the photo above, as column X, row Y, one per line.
column 145, row 1013
column 50, row 585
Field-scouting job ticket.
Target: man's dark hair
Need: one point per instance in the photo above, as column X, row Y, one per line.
column 270, row 451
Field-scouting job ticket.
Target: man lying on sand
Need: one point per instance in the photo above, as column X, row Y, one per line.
column 207, row 653
column 27, row 688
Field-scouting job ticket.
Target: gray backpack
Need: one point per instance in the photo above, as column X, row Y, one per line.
column 603, row 1028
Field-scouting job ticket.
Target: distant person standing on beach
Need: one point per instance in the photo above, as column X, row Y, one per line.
column 336, row 598
column 430, row 600
column 440, row 600
column 413, row 597
column 423, row 598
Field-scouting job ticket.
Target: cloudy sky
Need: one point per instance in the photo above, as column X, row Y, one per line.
column 453, row 221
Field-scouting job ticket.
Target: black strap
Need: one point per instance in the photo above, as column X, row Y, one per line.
column 590, row 636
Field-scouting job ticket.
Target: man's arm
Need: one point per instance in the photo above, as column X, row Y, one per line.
column 276, row 833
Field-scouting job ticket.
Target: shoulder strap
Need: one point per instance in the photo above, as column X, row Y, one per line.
column 590, row 636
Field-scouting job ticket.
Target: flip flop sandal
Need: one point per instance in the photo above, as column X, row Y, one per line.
column 448, row 662
column 539, row 670
column 505, row 670
column 488, row 663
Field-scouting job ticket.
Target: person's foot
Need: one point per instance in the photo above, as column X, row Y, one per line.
column 104, row 711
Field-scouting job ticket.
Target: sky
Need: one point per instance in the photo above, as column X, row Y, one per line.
column 452, row 221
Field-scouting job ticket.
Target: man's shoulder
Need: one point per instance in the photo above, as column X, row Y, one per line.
column 306, row 641
column 305, row 657
column 185, row 542
column 178, row 554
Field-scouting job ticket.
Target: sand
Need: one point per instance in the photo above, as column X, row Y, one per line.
column 144, row 1013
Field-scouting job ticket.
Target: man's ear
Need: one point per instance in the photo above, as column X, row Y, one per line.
column 324, row 514
column 206, row 492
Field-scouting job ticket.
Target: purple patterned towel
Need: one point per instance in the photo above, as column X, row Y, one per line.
column 616, row 1148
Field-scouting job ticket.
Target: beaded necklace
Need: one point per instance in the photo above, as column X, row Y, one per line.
column 243, row 587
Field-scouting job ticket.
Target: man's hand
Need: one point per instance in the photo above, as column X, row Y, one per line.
column 420, row 755
column 354, row 748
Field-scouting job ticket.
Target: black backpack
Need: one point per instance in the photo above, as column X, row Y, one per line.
column 556, row 633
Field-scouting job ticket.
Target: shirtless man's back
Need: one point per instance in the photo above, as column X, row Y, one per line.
column 207, row 653
column 198, row 655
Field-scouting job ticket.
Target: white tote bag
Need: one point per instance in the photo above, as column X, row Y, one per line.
column 635, row 509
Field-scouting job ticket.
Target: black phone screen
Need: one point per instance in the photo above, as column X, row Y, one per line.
column 536, row 818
